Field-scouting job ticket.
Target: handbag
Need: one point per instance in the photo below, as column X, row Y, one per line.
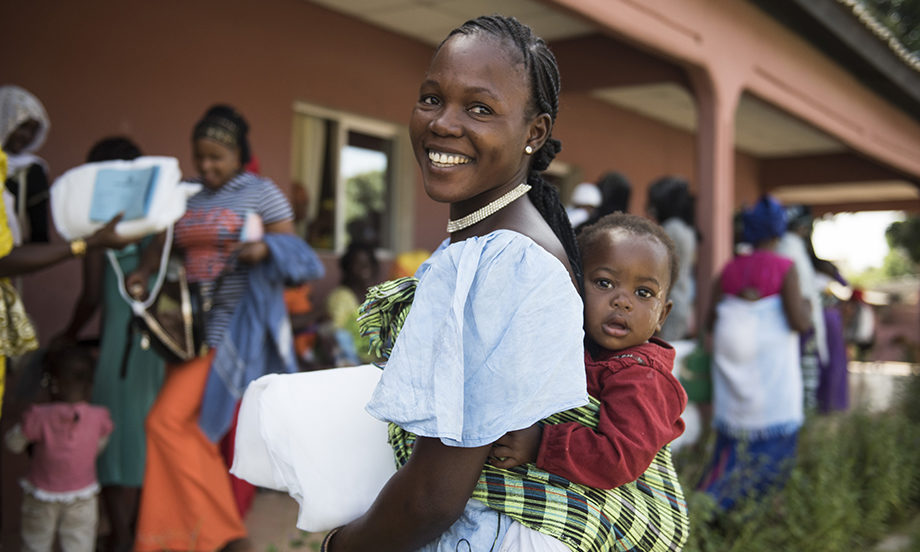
column 171, row 319
column 173, row 324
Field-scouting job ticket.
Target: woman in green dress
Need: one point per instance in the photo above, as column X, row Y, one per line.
column 127, row 377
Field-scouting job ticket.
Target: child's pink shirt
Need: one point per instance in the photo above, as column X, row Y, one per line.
column 66, row 437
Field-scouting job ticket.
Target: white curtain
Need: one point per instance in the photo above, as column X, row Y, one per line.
column 311, row 158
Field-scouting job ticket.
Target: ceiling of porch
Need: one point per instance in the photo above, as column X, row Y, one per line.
column 761, row 129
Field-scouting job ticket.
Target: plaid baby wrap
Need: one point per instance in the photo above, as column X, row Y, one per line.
column 649, row 514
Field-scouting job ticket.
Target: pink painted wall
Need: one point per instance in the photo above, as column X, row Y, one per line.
column 727, row 39
column 149, row 70
column 597, row 137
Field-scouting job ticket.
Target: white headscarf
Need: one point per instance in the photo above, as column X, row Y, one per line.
column 17, row 106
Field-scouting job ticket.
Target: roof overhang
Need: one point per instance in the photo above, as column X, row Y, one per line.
column 762, row 130
column 845, row 32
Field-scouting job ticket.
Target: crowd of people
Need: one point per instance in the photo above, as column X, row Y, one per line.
column 162, row 423
column 477, row 371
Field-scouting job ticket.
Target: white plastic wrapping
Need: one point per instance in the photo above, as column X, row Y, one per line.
column 308, row 434
column 148, row 190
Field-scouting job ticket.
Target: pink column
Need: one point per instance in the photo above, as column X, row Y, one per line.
column 716, row 99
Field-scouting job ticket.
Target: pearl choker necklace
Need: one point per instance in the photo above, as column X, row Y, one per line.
column 488, row 210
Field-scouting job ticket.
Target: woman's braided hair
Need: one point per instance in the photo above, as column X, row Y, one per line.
column 224, row 124
column 544, row 85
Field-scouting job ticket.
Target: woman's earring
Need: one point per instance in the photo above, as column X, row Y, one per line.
column 528, row 149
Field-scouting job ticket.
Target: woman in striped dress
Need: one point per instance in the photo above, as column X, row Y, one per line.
column 187, row 502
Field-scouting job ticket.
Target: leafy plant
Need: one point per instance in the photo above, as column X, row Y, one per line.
column 856, row 478
column 901, row 17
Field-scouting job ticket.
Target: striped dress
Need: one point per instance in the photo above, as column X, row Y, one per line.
column 187, row 502
column 209, row 231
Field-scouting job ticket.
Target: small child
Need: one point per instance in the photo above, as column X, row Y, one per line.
column 67, row 434
column 629, row 268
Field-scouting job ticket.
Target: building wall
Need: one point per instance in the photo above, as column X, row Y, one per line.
column 149, row 71
column 744, row 50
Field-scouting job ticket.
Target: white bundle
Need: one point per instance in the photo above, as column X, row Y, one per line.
column 148, row 191
column 309, row 435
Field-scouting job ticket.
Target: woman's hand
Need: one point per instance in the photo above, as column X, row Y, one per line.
column 136, row 284
column 61, row 341
column 252, row 252
column 108, row 238
column 419, row 502
column 255, row 252
column 517, row 447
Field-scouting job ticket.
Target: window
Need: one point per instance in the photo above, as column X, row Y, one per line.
column 358, row 179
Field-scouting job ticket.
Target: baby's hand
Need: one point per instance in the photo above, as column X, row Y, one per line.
column 517, row 447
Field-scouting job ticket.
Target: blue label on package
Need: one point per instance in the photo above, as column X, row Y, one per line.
column 125, row 191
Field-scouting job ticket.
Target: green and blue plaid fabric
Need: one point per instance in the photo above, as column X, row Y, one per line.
column 649, row 514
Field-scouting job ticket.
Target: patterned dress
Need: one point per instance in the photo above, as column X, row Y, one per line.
column 493, row 343
column 187, row 503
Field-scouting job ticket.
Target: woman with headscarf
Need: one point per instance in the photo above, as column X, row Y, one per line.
column 23, row 128
column 756, row 311
column 796, row 245
column 241, row 269
column 671, row 205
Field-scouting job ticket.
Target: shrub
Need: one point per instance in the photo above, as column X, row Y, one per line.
column 856, row 477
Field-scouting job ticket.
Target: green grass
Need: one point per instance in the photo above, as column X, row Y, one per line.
column 855, row 480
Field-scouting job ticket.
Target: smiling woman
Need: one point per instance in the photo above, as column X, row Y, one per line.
column 187, row 503
column 480, row 129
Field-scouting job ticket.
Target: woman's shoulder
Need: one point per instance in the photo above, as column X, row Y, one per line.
column 503, row 269
column 254, row 182
column 499, row 248
column 502, row 261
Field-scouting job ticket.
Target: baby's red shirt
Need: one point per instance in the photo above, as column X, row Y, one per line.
column 640, row 407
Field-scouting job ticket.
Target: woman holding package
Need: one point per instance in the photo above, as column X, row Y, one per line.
column 17, row 335
column 493, row 341
column 187, row 503
column 127, row 375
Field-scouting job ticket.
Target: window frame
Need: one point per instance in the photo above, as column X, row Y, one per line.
column 400, row 174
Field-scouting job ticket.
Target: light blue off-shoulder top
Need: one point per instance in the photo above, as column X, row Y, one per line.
column 493, row 343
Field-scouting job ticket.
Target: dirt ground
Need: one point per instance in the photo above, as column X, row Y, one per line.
column 271, row 525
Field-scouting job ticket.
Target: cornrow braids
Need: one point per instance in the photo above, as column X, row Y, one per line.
column 223, row 123
column 541, row 65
